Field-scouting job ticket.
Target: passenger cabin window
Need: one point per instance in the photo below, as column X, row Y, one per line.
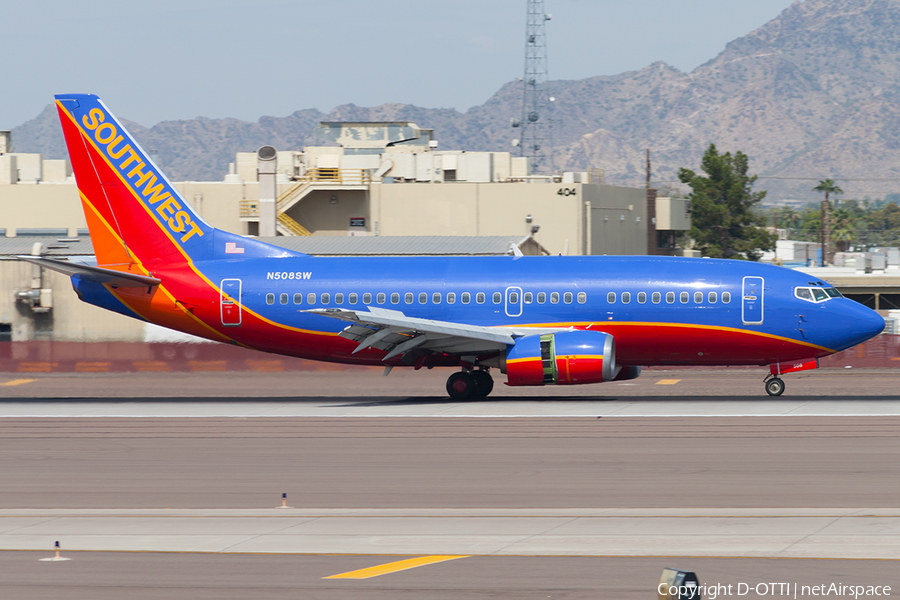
column 466, row 297
column 283, row 298
column 451, row 297
column 423, row 298
column 479, row 297
column 670, row 297
column 380, row 298
column 698, row 297
column 656, row 297
column 352, row 298
column 395, row 298
column 582, row 297
column 338, row 298
column 567, row 297
column 270, row 298
column 514, row 297
column 326, row 298
column 542, row 297
column 642, row 297
column 298, row 298
column 311, row 298
column 554, row 297
column 712, row 297
column 528, row 297
column 408, row 297
column 626, row 297
column 726, row 297
column 685, row 297
column 436, row 297
column 611, row 297
column 498, row 297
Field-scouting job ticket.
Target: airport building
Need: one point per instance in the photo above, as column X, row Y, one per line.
column 369, row 188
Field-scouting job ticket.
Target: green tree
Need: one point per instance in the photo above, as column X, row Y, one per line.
column 723, row 222
column 828, row 187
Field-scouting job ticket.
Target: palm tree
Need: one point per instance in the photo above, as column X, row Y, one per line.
column 828, row 186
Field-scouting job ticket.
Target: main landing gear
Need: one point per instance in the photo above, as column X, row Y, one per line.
column 470, row 384
column 774, row 386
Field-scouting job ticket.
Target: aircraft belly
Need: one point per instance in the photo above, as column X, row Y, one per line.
column 672, row 344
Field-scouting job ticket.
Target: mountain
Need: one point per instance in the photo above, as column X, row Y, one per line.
column 812, row 94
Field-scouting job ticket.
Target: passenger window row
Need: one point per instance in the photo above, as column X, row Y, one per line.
column 656, row 297
column 436, row 298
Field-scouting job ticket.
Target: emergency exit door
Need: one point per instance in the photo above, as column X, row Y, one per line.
column 752, row 301
column 230, row 302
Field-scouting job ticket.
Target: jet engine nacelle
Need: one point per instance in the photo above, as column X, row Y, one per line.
column 626, row 373
column 565, row 358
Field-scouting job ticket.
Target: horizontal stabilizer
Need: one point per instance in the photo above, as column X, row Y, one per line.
column 97, row 274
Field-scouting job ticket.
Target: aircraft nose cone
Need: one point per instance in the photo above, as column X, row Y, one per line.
column 873, row 323
column 865, row 323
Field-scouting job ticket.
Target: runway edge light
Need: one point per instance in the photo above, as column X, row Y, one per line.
column 55, row 558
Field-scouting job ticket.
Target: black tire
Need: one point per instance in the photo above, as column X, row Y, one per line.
column 461, row 386
column 484, row 383
column 775, row 387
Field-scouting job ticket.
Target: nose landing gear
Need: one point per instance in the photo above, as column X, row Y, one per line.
column 774, row 386
column 470, row 384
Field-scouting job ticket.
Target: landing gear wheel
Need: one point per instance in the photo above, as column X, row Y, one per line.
column 461, row 386
column 774, row 387
column 484, row 383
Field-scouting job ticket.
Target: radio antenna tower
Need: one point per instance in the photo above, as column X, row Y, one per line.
column 536, row 141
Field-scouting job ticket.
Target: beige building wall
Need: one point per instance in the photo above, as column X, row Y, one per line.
column 615, row 217
column 573, row 218
column 70, row 319
column 41, row 206
column 319, row 214
column 59, row 206
column 219, row 204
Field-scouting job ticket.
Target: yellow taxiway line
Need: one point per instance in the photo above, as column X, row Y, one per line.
column 393, row 567
column 667, row 381
column 17, row 382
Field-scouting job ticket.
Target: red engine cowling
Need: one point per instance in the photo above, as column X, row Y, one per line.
column 565, row 358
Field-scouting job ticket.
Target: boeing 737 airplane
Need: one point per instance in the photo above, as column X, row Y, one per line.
column 538, row 320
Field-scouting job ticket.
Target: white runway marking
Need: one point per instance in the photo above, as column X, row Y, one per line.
column 437, row 407
column 794, row 532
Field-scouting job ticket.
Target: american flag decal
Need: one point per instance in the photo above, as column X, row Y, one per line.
column 232, row 248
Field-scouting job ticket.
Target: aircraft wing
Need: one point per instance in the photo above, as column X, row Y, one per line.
column 394, row 332
column 98, row 274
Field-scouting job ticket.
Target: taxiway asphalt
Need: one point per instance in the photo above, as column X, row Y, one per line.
column 170, row 489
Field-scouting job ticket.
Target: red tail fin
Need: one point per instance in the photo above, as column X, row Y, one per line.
column 135, row 216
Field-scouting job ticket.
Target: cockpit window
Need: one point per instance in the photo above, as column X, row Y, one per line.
column 816, row 294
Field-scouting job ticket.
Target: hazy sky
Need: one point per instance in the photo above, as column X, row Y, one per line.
column 172, row 59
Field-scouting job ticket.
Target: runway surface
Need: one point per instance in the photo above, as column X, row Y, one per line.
column 720, row 393
column 748, row 462
column 140, row 576
column 170, row 489
column 781, row 533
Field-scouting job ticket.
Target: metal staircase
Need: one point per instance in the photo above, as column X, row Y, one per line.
column 313, row 179
column 288, row 226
